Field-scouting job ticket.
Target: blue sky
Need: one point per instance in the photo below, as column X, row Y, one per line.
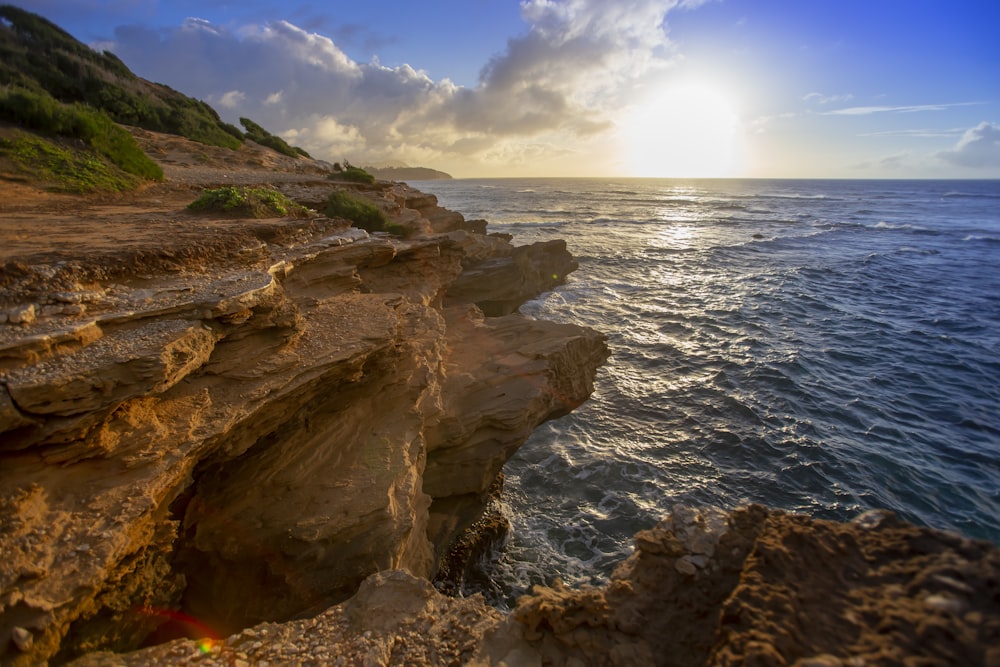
column 767, row 88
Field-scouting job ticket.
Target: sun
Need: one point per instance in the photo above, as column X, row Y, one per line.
column 685, row 130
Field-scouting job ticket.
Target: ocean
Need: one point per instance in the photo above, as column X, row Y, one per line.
column 819, row 346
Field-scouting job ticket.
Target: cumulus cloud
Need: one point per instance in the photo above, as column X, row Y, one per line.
column 565, row 75
column 979, row 147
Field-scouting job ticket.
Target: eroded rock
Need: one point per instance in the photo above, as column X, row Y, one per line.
column 238, row 430
column 777, row 589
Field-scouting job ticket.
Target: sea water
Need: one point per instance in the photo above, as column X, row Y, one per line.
column 823, row 347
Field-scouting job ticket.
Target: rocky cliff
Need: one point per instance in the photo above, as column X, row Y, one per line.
column 703, row 587
column 266, row 435
column 219, row 423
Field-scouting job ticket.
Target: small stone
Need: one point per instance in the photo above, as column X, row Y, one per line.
column 50, row 311
column 873, row 519
column 23, row 639
column 22, row 314
column 685, row 566
column 944, row 603
column 67, row 297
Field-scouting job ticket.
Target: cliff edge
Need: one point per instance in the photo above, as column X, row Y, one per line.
column 210, row 422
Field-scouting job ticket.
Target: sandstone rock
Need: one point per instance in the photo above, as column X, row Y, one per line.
column 394, row 619
column 238, row 430
column 780, row 590
column 21, row 314
column 499, row 286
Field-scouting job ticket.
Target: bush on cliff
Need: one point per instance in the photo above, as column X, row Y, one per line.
column 248, row 202
column 364, row 214
column 37, row 55
column 351, row 174
column 40, row 111
column 256, row 133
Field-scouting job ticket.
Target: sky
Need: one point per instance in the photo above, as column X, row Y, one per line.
column 666, row 88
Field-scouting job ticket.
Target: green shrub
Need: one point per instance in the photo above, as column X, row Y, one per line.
column 38, row 55
column 256, row 133
column 40, row 111
column 248, row 202
column 352, row 174
column 364, row 214
column 64, row 169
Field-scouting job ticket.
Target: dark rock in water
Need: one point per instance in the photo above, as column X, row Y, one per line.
column 467, row 566
column 758, row 236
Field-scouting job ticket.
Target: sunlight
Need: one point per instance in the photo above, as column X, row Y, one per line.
column 688, row 129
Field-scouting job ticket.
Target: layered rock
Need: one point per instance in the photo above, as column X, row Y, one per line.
column 703, row 587
column 249, row 436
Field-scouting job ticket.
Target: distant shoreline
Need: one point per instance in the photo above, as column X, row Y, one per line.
column 407, row 174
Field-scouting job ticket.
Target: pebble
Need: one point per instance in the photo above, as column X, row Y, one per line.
column 22, row 314
column 23, row 639
column 944, row 603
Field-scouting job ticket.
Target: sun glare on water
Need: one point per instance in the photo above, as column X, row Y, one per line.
column 685, row 130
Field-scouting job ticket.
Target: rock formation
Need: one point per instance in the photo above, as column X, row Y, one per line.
column 703, row 587
column 243, row 427
column 267, row 435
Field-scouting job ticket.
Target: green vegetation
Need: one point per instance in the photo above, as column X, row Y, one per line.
column 66, row 169
column 364, row 214
column 351, row 173
column 40, row 111
column 248, row 202
column 256, row 133
column 39, row 57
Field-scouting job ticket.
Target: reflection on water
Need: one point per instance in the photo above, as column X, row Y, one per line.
column 819, row 346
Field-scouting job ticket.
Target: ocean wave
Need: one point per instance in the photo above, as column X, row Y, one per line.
column 970, row 195
column 980, row 238
column 833, row 365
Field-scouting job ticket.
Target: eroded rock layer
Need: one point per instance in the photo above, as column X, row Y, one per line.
column 248, row 436
column 703, row 587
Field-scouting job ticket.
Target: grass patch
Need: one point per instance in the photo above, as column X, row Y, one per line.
column 248, row 202
column 364, row 214
column 42, row 112
column 64, row 169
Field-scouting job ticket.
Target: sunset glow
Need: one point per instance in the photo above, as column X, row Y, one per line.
column 689, row 129
column 849, row 89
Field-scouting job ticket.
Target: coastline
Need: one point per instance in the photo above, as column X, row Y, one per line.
column 323, row 412
column 193, row 403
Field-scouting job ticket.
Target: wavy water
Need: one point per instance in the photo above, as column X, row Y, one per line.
column 819, row 346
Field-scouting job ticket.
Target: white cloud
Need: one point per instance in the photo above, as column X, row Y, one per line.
column 979, row 147
column 864, row 111
column 567, row 75
column 820, row 98
column 232, row 99
column 923, row 133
